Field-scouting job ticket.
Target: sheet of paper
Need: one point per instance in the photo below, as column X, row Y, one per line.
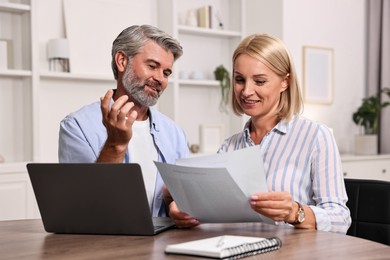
column 216, row 188
column 244, row 165
column 209, row 194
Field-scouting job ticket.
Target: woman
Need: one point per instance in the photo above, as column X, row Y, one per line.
column 301, row 158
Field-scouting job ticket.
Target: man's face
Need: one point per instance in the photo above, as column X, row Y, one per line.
column 146, row 75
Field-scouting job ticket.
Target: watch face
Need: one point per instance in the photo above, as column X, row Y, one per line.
column 301, row 216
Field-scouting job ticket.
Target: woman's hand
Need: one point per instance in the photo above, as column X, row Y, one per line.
column 278, row 206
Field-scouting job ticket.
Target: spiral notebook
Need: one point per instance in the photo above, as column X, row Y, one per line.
column 226, row 247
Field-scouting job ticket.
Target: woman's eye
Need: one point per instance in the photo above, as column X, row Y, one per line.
column 260, row 82
column 239, row 80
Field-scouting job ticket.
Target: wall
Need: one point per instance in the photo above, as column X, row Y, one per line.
column 338, row 24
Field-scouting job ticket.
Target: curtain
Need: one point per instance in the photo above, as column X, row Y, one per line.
column 378, row 62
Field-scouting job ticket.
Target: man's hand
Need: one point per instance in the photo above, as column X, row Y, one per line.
column 118, row 121
column 181, row 219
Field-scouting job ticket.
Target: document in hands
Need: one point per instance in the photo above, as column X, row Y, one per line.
column 227, row 246
column 216, row 188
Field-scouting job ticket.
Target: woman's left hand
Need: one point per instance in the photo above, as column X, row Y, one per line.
column 278, row 206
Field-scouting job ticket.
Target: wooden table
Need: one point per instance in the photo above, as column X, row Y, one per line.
column 26, row 239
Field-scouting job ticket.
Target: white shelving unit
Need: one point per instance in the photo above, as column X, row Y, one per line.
column 17, row 109
column 47, row 75
column 14, row 7
column 16, row 82
column 192, row 103
column 30, row 94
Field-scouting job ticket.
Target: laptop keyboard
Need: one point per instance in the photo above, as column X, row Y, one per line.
column 156, row 228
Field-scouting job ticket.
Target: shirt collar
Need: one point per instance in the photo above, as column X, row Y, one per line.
column 153, row 119
column 282, row 127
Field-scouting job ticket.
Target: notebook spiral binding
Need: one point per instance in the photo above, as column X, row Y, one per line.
column 251, row 249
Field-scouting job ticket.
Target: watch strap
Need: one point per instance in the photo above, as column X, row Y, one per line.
column 300, row 214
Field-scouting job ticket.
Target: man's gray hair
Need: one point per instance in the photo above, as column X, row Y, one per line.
column 132, row 39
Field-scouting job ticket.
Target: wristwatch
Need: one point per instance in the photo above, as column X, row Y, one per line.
column 300, row 215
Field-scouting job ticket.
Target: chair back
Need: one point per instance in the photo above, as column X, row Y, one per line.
column 369, row 203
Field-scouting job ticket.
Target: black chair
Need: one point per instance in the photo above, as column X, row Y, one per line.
column 369, row 203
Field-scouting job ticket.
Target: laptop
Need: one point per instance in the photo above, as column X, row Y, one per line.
column 94, row 198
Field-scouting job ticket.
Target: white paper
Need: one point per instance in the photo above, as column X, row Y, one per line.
column 245, row 166
column 208, row 191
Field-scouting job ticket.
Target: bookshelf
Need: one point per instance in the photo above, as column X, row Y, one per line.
column 195, row 103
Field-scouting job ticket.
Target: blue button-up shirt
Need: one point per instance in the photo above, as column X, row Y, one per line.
column 82, row 136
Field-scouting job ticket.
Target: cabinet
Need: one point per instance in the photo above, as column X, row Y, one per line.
column 16, row 81
column 366, row 167
column 195, row 102
column 17, row 199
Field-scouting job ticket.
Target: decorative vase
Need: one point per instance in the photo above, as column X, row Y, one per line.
column 192, row 18
column 366, row 144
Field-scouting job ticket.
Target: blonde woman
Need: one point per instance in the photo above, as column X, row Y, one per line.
column 301, row 158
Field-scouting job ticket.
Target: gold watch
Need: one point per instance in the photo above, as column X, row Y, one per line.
column 300, row 214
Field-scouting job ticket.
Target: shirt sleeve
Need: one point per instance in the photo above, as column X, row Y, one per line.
column 73, row 146
column 329, row 191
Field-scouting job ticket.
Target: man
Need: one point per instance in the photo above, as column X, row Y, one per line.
column 123, row 127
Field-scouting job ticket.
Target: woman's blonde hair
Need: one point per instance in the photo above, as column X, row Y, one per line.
column 272, row 52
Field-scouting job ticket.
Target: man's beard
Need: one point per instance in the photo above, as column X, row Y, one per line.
column 136, row 88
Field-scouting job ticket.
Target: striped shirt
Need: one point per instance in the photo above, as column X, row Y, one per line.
column 301, row 156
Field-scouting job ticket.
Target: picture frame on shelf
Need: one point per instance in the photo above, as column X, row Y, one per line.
column 318, row 75
column 210, row 137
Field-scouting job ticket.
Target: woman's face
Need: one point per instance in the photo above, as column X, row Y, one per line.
column 256, row 88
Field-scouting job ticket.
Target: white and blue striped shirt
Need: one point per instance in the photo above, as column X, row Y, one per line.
column 301, row 156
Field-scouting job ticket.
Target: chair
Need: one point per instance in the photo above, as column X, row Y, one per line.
column 369, row 203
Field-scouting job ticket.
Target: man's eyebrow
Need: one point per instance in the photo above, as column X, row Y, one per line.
column 158, row 64
column 154, row 61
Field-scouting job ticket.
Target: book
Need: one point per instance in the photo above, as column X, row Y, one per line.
column 204, row 16
column 227, row 246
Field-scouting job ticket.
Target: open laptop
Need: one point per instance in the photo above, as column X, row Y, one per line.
column 94, row 198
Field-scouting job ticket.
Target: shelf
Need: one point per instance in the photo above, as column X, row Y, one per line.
column 188, row 82
column 15, row 8
column 15, row 73
column 208, row 32
column 72, row 76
